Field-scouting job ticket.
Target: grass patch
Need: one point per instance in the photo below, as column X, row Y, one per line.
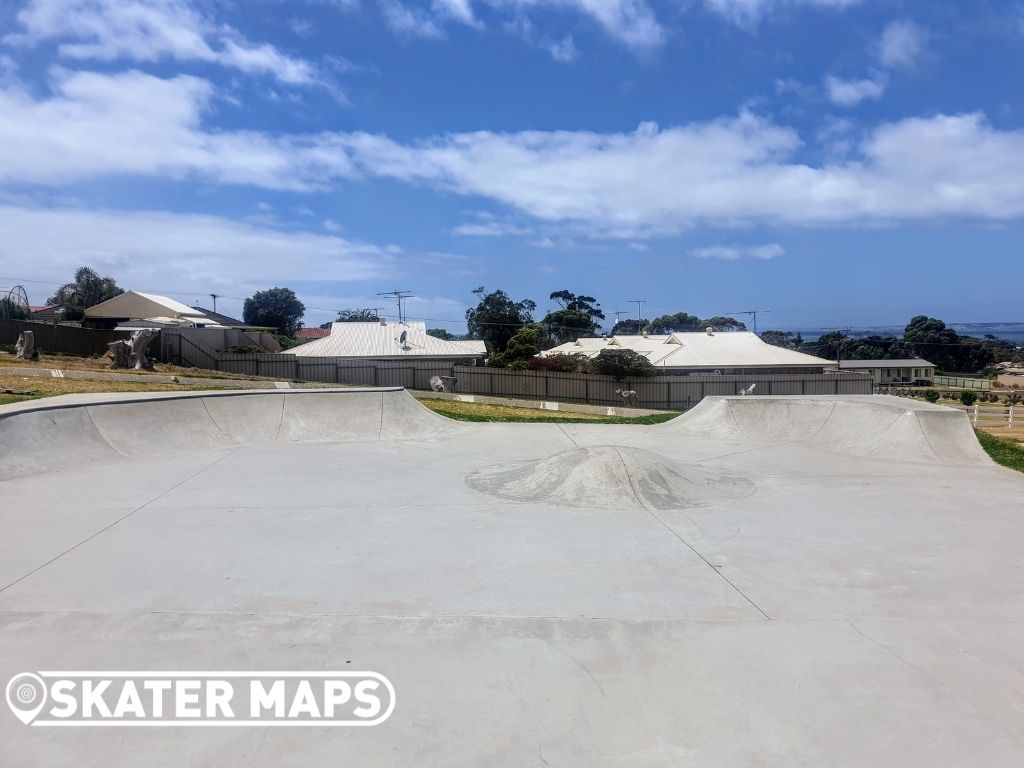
column 44, row 387
column 1009, row 453
column 460, row 411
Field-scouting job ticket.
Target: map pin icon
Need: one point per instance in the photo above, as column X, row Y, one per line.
column 26, row 696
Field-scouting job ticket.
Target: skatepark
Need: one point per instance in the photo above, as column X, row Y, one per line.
column 790, row 581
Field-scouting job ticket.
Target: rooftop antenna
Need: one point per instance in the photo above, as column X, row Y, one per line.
column 752, row 312
column 639, row 309
column 399, row 297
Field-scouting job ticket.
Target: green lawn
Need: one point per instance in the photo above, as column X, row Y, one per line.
column 1009, row 453
column 454, row 409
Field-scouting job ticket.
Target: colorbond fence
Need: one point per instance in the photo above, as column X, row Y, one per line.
column 61, row 339
column 671, row 392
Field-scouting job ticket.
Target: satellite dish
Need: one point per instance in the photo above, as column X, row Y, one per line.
column 403, row 337
column 749, row 390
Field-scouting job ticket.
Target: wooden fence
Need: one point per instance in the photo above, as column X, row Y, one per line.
column 61, row 339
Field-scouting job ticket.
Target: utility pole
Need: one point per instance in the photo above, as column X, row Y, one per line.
column 639, row 312
column 617, row 315
column 214, row 296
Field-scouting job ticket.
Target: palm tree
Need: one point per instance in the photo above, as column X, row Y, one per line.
column 87, row 290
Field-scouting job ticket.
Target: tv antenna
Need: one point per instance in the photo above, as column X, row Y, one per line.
column 753, row 314
column 399, row 297
column 639, row 309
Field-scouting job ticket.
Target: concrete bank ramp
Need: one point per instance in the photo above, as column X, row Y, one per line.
column 878, row 426
column 62, row 432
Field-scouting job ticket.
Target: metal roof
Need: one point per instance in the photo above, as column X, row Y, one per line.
column 736, row 349
column 913, row 362
column 377, row 340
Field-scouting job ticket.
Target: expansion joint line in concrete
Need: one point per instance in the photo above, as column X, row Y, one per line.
column 119, row 520
column 689, row 546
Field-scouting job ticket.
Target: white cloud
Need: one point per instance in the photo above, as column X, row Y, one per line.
column 136, row 124
column 490, row 229
column 738, row 252
column 725, row 172
column 749, row 12
column 630, row 22
column 902, row 44
column 165, row 252
column 150, row 30
column 850, row 93
column 633, row 185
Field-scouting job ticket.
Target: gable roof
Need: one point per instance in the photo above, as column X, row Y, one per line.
column 736, row 349
column 385, row 340
column 133, row 305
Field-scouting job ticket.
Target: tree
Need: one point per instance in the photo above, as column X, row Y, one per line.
column 528, row 341
column 578, row 316
column 276, row 308
column 680, row 322
column 9, row 310
column 621, row 363
column 441, row 333
column 629, row 327
column 725, row 324
column 358, row 316
column 496, row 319
column 930, row 338
column 784, row 339
column 87, row 290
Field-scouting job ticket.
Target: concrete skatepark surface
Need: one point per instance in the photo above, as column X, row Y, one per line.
column 817, row 581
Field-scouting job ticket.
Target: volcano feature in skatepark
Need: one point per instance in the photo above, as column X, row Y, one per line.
column 760, row 581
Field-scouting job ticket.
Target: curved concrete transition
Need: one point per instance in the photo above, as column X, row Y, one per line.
column 41, row 435
column 783, row 581
column 859, row 425
column 610, row 477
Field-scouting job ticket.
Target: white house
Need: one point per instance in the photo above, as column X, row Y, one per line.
column 384, row 340
column 150, row 310
column 908, row 371
column 708, row 352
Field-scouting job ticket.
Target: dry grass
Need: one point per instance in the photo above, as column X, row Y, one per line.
column 43, row 387
column 69, row 363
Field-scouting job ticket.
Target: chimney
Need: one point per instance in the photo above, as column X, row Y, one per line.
column 710, row 331
column 383, row 321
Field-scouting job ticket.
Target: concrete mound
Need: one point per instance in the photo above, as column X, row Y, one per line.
column 877, row 426
column 72, row 430
column 611, row 477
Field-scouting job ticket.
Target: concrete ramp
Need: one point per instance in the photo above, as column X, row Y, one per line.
column 877, row 426
column 73, row 430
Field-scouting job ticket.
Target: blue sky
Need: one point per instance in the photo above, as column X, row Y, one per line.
column 838, row 162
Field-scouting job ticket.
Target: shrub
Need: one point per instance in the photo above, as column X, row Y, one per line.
column 560, row 362
column 517, row 365
column 245, row 349
column 620, row 363
column 931, row 396
column 968, row 398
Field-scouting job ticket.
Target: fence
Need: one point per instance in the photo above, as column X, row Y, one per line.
column 961, row 383
column 993, row 416
column 61, row 339
column 669, row 392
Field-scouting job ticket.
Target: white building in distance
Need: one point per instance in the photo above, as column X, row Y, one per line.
column 735, row 352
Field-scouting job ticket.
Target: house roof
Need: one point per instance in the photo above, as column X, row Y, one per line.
column 133, row 305
column 910, row 362
column 736, row 349
column 385, row 340
column 221, row 319
column 312, row 333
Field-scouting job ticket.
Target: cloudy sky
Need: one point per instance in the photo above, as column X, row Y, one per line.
column 838, row 162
